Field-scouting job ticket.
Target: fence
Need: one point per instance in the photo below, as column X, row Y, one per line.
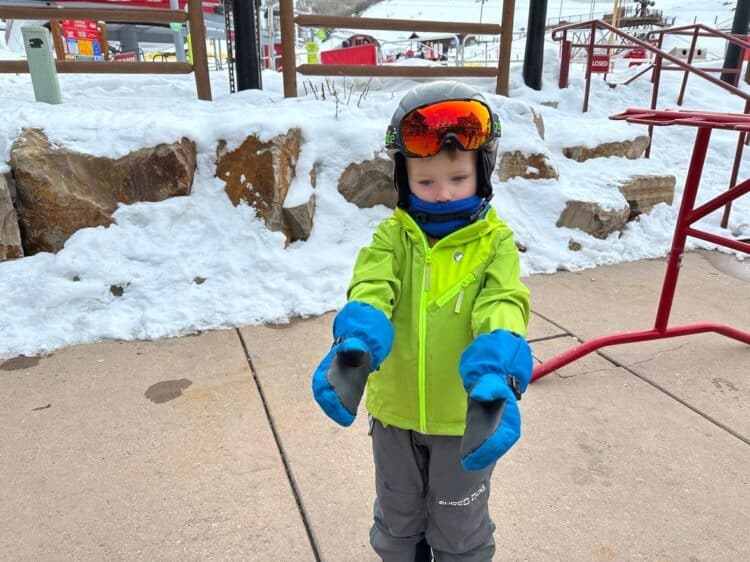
column 194, row 17
column 288, row 43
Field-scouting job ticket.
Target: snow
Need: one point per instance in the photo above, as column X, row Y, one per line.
column 197, row 263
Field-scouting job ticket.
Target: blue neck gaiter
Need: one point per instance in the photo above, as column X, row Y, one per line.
column 440, row 219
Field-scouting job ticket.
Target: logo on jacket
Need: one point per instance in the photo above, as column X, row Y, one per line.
column 458, row 256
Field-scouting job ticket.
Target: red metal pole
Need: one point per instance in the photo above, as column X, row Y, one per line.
column 680, row 232
column 733, row 178
column 632, row 337
column 592, row 40
column 709, row 207
column 720, row 240
column 654, row 98
column 690, row 61
column 564, row 63
column 741, row 141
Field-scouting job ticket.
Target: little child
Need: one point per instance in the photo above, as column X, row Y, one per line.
column 434, row 328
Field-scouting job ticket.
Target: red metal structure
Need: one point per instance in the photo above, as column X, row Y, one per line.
column 652, row 44
column 688, row 215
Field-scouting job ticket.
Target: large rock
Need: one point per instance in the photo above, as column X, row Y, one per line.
column 369, row 183
column 530, row 166
column 631, row 149
column 10, row 237
column 538, row 122
column 300, row 220
column 260, row 173
column 60, row 191
column 593, row 218
column 644, row 192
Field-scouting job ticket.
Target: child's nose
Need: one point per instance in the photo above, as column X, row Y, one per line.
column 443, row 194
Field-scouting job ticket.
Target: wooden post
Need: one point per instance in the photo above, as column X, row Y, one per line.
column 506, row 40
column 56, row 28
column 288, row 44
column 102, row 26
column 198, row 42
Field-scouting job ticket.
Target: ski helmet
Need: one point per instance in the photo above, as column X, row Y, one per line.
column 424, row 96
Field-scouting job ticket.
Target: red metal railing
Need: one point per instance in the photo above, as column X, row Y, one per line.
column 688, row 215
column 657, row 36
column 561, row 34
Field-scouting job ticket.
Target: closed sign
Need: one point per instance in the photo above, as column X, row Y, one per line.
column 600, row 63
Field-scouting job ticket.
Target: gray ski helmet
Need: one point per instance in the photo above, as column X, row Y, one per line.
column 426, row 94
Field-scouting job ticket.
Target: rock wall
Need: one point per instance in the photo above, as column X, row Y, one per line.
column 58, row 191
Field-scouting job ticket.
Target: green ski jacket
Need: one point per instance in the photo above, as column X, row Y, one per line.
column 438, row 299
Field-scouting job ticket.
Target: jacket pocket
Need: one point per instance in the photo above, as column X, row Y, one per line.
column 456, row 291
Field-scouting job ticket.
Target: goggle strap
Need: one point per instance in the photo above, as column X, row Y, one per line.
column 391, row 138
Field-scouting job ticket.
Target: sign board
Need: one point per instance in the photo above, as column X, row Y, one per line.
column 128, row 57
column 639, row 56
column 82, row 40
column 38, row 44
column 361, row 54
column 600, row 63
column 312, row 53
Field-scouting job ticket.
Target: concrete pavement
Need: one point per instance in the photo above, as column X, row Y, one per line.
column 211, row 448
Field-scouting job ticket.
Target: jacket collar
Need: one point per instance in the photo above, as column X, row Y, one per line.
column 468, row 233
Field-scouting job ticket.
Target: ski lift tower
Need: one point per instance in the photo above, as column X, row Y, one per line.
column 637, row 19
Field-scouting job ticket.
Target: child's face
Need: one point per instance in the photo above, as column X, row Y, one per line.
column 447, row 176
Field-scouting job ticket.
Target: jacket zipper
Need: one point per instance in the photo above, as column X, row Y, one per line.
column 457, row 289
column 423, row 337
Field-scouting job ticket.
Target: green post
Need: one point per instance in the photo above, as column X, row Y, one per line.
column 38, row 44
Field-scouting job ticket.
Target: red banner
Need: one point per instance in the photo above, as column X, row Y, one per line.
column 361, row 54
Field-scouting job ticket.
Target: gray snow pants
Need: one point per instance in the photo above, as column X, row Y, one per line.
column 424, row 494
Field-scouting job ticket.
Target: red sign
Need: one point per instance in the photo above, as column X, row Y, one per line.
column 82, row 39
column 361, row 54
column 600, row 63
column 638, row 54
column 129, row 56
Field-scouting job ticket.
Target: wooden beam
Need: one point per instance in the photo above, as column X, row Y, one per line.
column 393, row 71
column 99, row 67
column 119, row 15
column 399, row 25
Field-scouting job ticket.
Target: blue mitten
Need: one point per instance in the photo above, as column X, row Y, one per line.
column 496, row 369
column 363, row 337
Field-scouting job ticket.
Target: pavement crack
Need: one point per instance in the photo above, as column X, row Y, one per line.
column 653, row 383
column 655, row 355
column 282, row 453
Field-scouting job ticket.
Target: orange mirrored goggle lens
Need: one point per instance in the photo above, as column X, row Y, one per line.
column 424, row 130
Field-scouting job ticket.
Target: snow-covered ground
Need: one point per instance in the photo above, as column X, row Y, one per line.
column 155, row 250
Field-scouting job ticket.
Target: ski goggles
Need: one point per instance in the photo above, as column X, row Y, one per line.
column 424, row 131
